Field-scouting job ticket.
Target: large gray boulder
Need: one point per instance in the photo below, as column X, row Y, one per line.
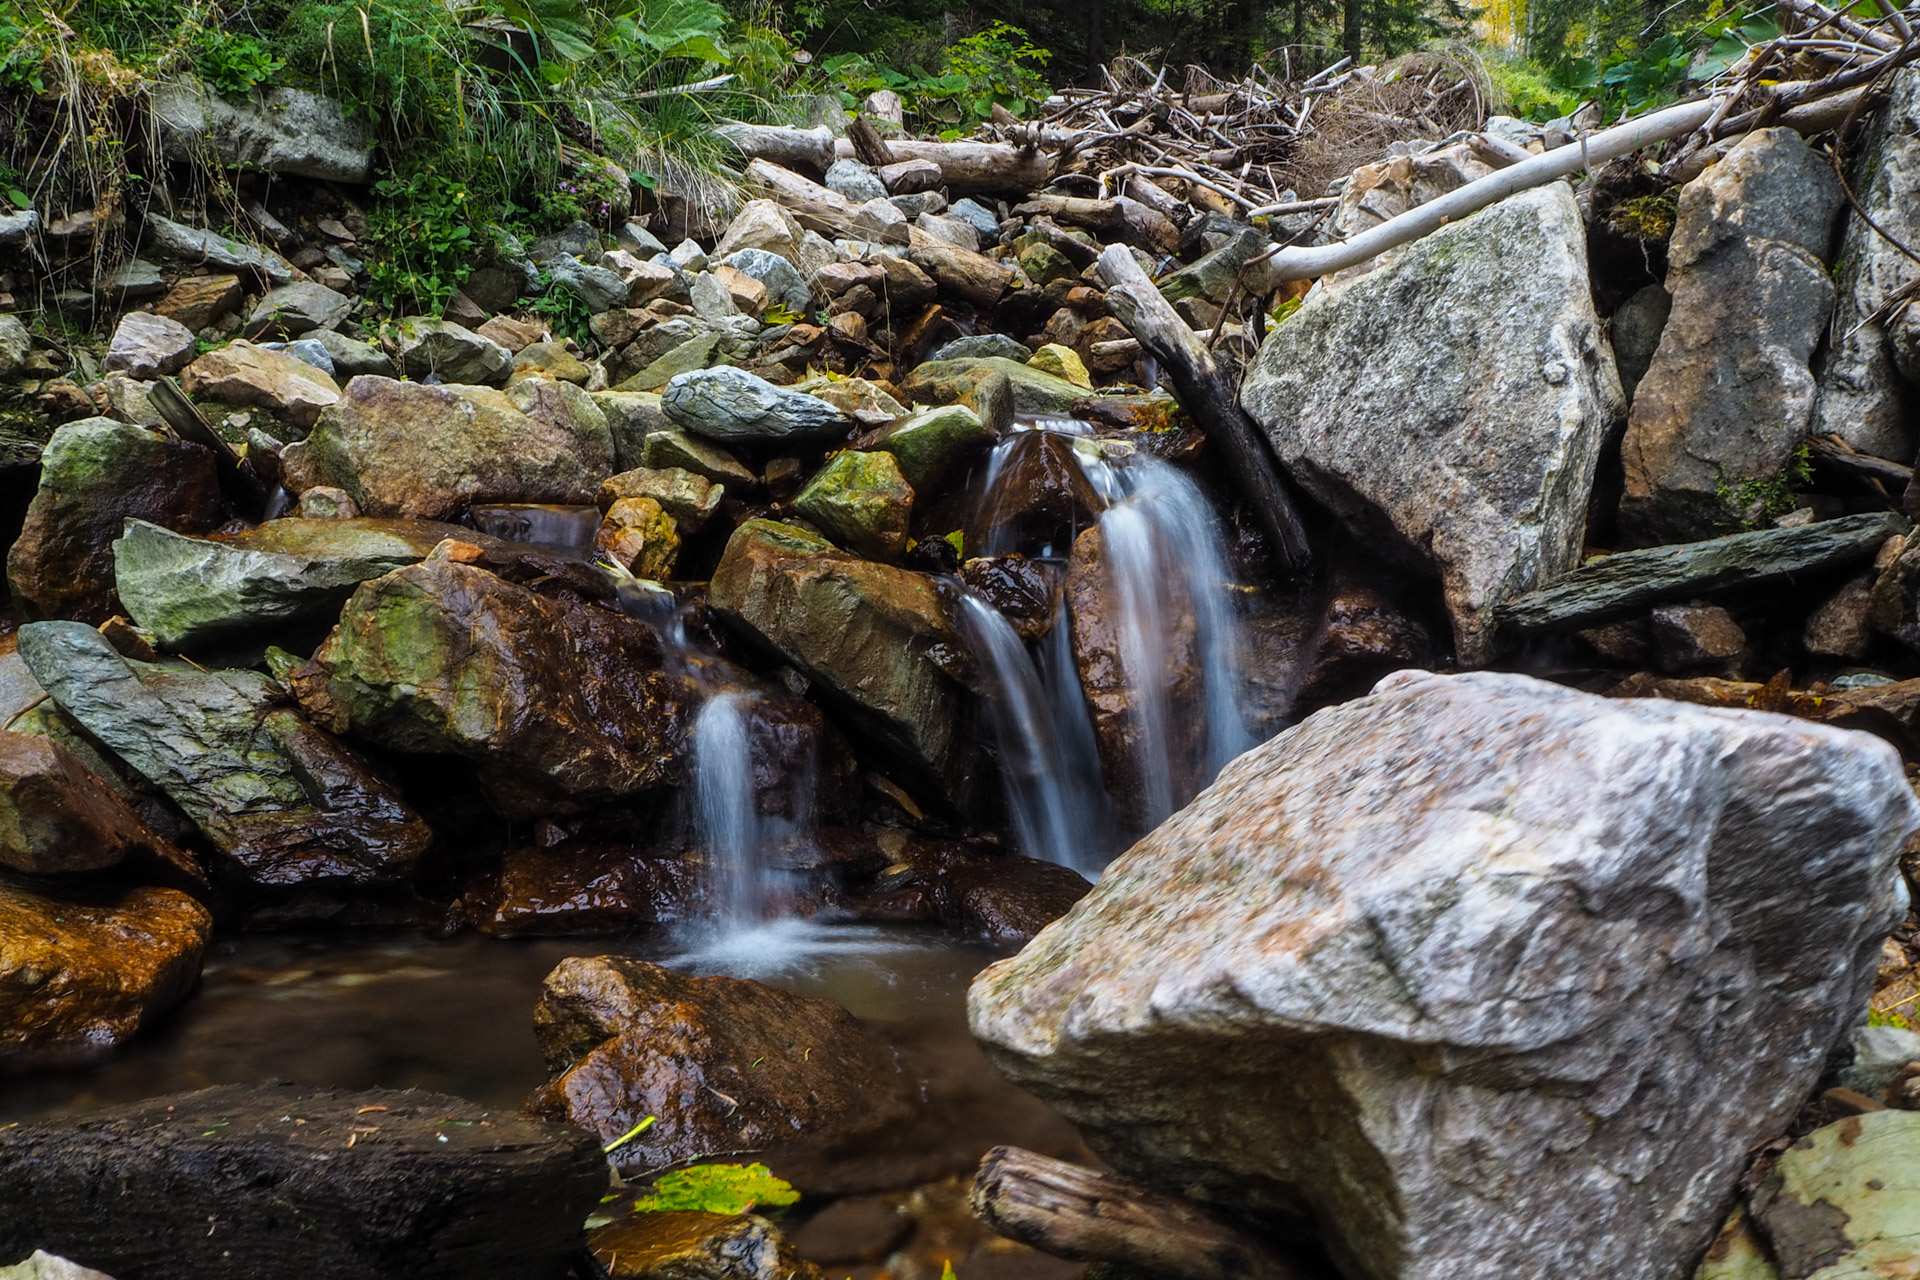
column 729, row 404
column 1860, row 396
column 1728, row 396
column 1518, row 1009
column 169, row 239
column 290, row 132
column 1450, row 406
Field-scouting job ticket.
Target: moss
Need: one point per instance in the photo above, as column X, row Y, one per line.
column 1649, row 217
column 1756, row 504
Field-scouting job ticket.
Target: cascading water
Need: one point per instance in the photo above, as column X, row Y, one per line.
column 726, row 811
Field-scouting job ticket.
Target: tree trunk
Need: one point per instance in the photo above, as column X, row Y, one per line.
column 1356, row 14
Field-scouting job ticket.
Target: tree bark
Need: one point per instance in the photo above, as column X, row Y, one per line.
column 1209, row 394
column 1072, row 1212
column 972, row 167
column 792, row 148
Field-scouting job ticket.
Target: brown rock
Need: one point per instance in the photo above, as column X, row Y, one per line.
column 1041, row 497
column 516, row 334
column 724, row 1065
column 197, row 301
column 1840, row 627
column 1688, row 637
column 1365, row 636
column 80, row 975
column 244, row 374
column 640, row 537
column 1022, row 590
column 57, row 817
column 578, row 890
column 987, row 893
column 696, row 1246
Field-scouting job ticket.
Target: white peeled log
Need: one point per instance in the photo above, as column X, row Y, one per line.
column 968, row 168
column 785, row 146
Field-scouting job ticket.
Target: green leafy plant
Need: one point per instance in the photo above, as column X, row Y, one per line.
column 564, row 313
column 422, row 238
column 716, row 1188
column 997, row 66
column 234, row 64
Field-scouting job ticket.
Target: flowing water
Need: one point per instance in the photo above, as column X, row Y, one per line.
column 727, row 821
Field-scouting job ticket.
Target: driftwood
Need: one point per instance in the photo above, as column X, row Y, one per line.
column 971, row 167
column 242, row 477
column 792, row 148
column 1072, row 1212
column 1209, row 394
column 1139, row 224
column 868, row 146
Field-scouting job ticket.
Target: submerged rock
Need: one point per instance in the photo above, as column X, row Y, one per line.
column 579, row 890
column 555, row 702
column 56, row 817
column 95, row 475
column 1728, row 395
column 1516, row 1010
column 80, row 974
column 1450, row 406
column 696, row 1246
column 630, row 1040
column 285, row 803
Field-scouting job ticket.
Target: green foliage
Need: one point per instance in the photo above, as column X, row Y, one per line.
column 422, row 236
column 234, row 64
column 564, row 313
column 716, row 1188
column 1524, row 89
column 999, row 65
column 1887, row 1018
column 1629, row 74
column 1756, row 504
column 1649, row 217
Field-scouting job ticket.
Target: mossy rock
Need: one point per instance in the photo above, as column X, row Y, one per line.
column 862, row 500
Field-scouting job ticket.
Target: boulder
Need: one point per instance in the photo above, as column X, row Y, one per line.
column 862, row 501
column 41, row 1265
column 288, row 132
column 871, row 634
column 1035, row 393
column 95, row 475
column 166, row 238
column 1456, row 438
column 351, row 357
column 450, row 352
column 1039, row 497
column 549, row 360
column 712, row 300
column 760, row 224
column 729, row 404
column 599, row 289
column 1635, row 329
column 424, row 452
column 1520, row 1010
column 867, row 403
column 678, row 449
column 16, row 344
column 282, row 801
column 855, row 181
column 148, row 346
column 56, row 817
column 278, row 381
column 555, row 702
column 977, row 345
column 252, row 1181
column 783, row 281
column 197, row 301
column 640, row 537
column 933, row 444
column 1860, row 396
column 186, row 591
column 297, row 308
column 627, row 1040
column 674, row 1245
column 1696, row 637
column 1728, row 396
column 684, row 354
column 631, row 416
column 1063, row 363
column 579, row 890
column 689, row 498
column 80, row 973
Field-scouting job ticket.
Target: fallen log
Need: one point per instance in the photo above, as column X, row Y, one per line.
column 791, row 189
column 792, row 148
column 1208, row 392
column 1124, row 217
column 970, row 167
column 1073, row 1212
column 868, row 146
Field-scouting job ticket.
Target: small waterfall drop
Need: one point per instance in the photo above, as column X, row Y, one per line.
column 726, row 815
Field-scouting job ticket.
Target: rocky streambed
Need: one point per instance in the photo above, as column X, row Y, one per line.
column 442, row 757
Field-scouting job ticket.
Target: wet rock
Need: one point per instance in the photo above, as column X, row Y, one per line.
column 1620, row 585
column 998, row 897
column 56, row 817
column 1860, row 397
column 1021, row 590
column 1035, row 394
column 1467, row 449
column 783, row 282
column 284, row 802
column 629, row 1039
column 1412, row 930
column 579, row 890
column 932, row 445
column 1040, row 498
column 424, row 452
column 301, row 307
column 378, row 1184
column 980, row 345
column 241, row 373
column 554, row 702
column 690, row 499
column 1841, row 627
column 166, row 238
column 665, row 449
column 1635, row 330
column 187, row 591
column 290, row 132
column 1363, row 637
column 94, row 475
column 81, row 973
column 448, row 351
column 197, row 301
column 862, row 501
column 640, row 537
column 1728, row 396
column 1842, row 1201
column 868, row 633
column 729, row 404
column 696, row 1246
column 598, row 288
column 1062, row 362
column 867, row 403
column 148, row 346
column 1694, row 637
column 760, row 224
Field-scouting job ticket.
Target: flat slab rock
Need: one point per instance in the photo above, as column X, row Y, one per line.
column 254, row 1182
column 1480, row 975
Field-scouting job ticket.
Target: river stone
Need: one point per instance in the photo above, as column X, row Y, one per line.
column 425, row 452
column 1522, row 1009
column 148, row 346
column 95, row 475
column 1062, row 362
column 290, row 132
column 197, row 301
column 297, row 308
column 191, row 591
column 16, row 344
column 552, row 361
column 976, row 345
column 575, row 890
column 56, row 817
column 628, row 1040
column 257, row 1181
column 712, row 301
column 1843, row 1203
column 284, row 802
column 1213, row 275
column 932, row 444
column 557, row 703
column 81, row 972
column 678, row 449
column 1860, row 397
column 424, row 347
column 640, row 537
column 677, row 1245
column 242, row 373
column 855, row 181
column 760, row 224
column 728, row 404
column 783, row 282
column 1450, row 406
column 1040, row 497
column 1035, row 393
column 689, row 498
column 169, row 239
column 631, row 416
column 869, row 633
column 598, row 288
column 862, row 501
column 1728, row 396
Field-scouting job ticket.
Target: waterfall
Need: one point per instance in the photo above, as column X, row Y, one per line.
column 726, row 814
